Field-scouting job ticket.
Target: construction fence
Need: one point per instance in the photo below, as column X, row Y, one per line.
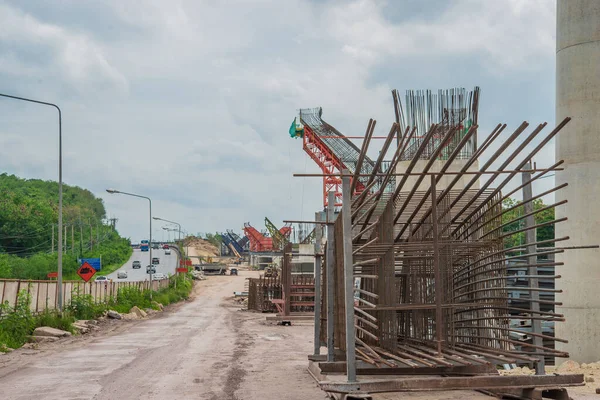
column 44, row 294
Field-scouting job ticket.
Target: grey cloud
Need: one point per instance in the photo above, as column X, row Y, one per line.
column 190, row 102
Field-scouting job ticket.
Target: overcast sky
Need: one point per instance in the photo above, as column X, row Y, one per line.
column 189, row 102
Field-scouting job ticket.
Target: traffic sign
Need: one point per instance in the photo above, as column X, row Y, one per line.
column 86, row 271
column 52, row 274
column 95, row 263
column 182, row 270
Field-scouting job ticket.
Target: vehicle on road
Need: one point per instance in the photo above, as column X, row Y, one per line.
column 136, row 264
column 158, row 276
column 101, row 278
column 167, row 252
column 155, row 261
column 121, row 275
column 150, row 269
column 155, row 246
column 165, row 246
column 144, row 245
column 233, row 271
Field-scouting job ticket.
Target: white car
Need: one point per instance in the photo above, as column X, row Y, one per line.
column 158, row 276
column 167, row 252
column 122, row 275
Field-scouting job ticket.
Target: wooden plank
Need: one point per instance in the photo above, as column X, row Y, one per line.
column 340, row 367
column 434, row 383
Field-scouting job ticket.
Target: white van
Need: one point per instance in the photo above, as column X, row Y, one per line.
column 158, row 276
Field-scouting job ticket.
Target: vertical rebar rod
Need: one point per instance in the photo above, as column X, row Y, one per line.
column 348, row 279
column 329, row 266
column 318, row 236
column 437, row 269
column 536, row 324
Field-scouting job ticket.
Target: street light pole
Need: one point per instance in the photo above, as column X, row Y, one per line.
column 113, row 191
column 60, row 192
column 179, row 226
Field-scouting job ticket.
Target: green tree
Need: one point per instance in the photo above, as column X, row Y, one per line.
column 214, row 239
column 516, row 211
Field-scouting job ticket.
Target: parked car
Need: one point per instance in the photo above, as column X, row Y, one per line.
column 167, row 252
column 121, row 275
column 155, row 261
column 136, row 264
column 158, row 276
column 165, row 246
column 150, row 269
column 101, row 279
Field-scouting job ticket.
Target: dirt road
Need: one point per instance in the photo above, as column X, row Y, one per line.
column 206, row 349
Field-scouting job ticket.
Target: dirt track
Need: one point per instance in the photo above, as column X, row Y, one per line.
column 205, row 349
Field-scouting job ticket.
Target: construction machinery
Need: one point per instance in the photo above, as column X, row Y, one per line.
column 259, row 242
column 240, row 243
column 280, row 237
column 232, row 245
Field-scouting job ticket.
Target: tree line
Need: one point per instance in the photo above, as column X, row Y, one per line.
column 29, row 229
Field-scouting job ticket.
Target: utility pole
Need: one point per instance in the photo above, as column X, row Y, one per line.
column 52, row 238
column 73, row 239
column 80, row 239
column 65, row 242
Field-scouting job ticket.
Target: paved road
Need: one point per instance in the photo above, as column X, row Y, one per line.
column 167, row 265
column 206, row 349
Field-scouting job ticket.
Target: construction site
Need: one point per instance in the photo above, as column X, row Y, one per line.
column 451, row 257
column 420, row 273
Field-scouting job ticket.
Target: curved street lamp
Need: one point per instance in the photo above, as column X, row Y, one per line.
column 60, row 192
column 113, row 191
column 179, row 225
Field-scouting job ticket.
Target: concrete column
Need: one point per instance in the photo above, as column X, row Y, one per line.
column 578, row 96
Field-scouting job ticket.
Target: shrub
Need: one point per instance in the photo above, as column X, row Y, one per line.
column 129, row 297
column 17, row 324
column 55, row 320
column 84, row 306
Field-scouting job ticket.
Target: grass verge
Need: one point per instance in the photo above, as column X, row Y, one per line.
column 17, row 323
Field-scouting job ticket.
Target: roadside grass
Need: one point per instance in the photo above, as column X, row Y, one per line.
column 17, row 323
